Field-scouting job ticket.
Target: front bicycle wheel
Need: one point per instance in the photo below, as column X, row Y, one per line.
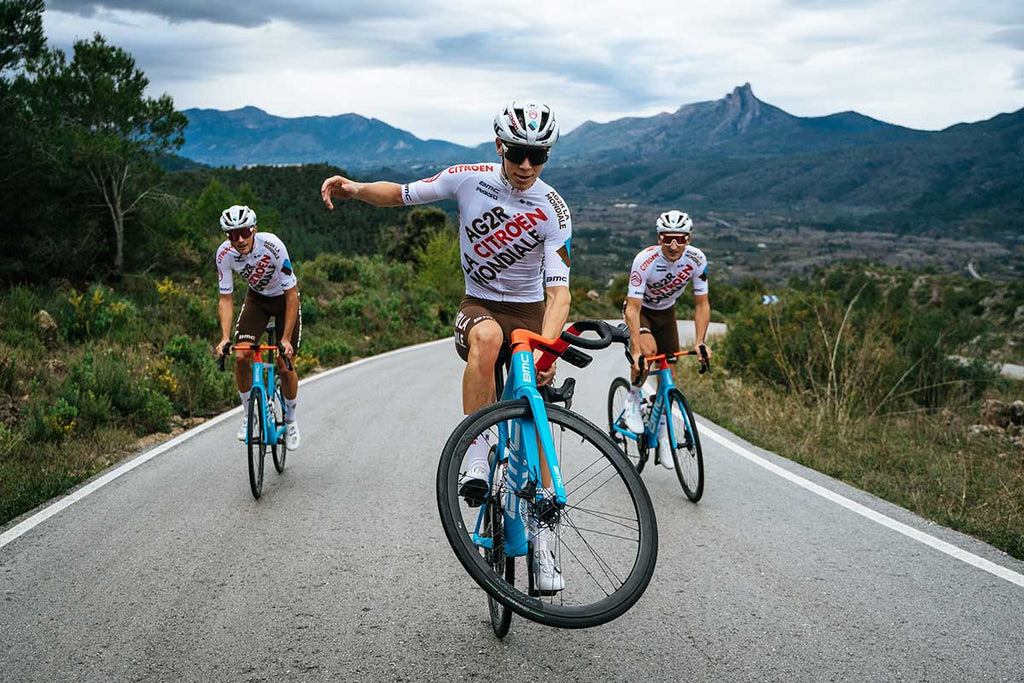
column 279, row 448
column 256, row 442
column 494, row 529
column 686, row 453
column 618, row 392
column 603, row 543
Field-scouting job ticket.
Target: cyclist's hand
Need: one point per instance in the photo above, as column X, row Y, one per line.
column 338, row 187
column 222, row 346
column 547, row 376
column 706, row 356
column 286, row 346
column 635, row 352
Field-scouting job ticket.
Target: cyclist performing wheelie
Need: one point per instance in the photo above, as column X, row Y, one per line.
column 262, row 260
column 514, row 234
column 658, row 277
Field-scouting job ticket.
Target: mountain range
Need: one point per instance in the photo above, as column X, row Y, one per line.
column 736, row 152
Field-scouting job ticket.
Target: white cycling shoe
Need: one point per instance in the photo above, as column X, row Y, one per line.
column 664, row 446
column 547, row 577
column 631, row 418
column 242, row 430
column 291, row 437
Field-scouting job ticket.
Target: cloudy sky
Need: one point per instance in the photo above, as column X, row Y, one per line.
column 440, row 68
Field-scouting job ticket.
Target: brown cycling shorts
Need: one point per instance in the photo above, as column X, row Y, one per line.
column 662, row 326
column 510, row 315
column 257, row 310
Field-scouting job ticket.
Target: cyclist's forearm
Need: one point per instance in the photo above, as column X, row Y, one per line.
column 291, row 312
column 225, row 312
column 379, row 193
column 632, row 318
column 701, row 318
column 556, row 311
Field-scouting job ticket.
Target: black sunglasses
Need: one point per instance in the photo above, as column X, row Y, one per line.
column 238, row 234
column 536, row 155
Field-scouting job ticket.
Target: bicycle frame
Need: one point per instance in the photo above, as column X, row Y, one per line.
column 521, row 442
column 259, row 370
column 660, row 401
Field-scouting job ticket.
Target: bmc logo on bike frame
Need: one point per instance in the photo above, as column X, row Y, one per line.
column 526, row 368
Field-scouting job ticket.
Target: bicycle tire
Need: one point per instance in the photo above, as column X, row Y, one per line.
column 686, row 454
column 617, row 394
column 623, row 549
column 501, row 616
column 279, row 449
column 256, row 443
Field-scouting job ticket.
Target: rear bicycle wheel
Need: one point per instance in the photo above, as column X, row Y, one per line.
column 618, row 392
column 279, row 448
column 689, row 460
column 604, row 541
column 256, row 443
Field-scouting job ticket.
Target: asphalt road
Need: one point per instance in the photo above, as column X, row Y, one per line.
column 341, row 571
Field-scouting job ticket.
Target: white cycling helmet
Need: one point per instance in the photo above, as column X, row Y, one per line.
column 527, row 124
column 674, row 221
column 236, row 217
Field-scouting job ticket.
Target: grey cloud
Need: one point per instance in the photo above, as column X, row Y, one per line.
column 1014, row 37
column 248, row 14
column 1018, row 77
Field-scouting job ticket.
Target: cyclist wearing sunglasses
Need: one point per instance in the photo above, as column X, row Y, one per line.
column 262, row 260
column 514, row 233
column 659, row 275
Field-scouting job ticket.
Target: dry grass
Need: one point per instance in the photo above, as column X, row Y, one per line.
column 934, row 464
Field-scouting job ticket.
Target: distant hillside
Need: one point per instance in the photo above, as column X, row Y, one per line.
column 250, row 136
column 739, row 124
column 733, row 153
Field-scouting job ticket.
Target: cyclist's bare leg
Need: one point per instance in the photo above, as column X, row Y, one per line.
column 243, row 370
column 289, row 379
column 485, row 341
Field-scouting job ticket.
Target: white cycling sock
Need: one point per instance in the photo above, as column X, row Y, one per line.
column 244, row 395
column 663, row 427
column 289, row 409
column 479, row 450
column 634, row 393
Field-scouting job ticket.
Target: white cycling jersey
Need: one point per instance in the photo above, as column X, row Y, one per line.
column 266, row 267
column 659, row 282
column 514, row 243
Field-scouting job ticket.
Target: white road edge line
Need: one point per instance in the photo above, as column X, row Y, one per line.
column 920, row 536
column 51, row 510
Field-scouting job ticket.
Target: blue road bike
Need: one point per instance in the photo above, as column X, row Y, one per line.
column 683, row 439
column 552, row 474
column 265, row 426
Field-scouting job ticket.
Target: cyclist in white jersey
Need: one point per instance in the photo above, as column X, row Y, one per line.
column 658, row 277
column 514, row 233
column 262, row 260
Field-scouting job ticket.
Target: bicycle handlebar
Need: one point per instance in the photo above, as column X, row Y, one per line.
column 603, row 329
column 553, row 348
column 705, row 362
column 229, row 347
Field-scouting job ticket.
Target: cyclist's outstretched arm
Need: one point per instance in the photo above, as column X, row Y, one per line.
column 701, row 319
column 380, row 193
